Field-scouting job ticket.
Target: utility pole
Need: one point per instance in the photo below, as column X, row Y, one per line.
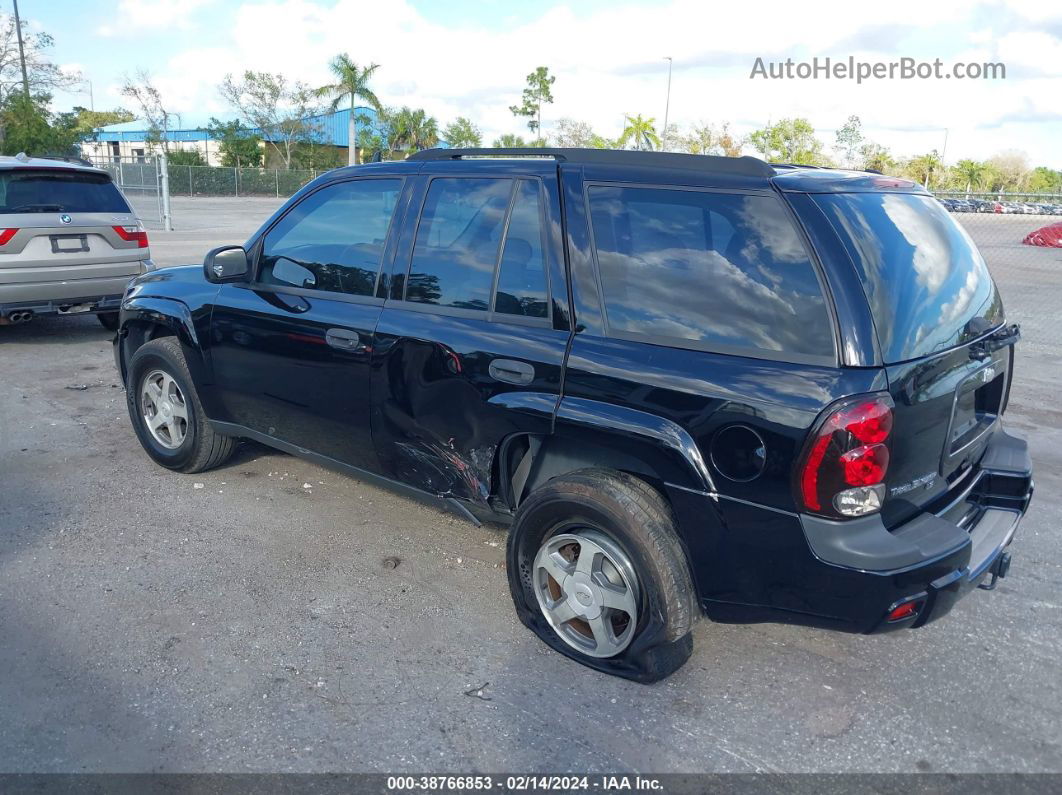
column 944, row 151
column 667, row 103
column 21, row 51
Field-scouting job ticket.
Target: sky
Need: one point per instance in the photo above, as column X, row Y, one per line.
column 458, row 57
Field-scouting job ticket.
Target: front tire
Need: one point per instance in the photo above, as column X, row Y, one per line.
column 166, row 413
column 597, row 571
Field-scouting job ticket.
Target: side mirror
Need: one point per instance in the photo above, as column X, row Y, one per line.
column 226, row 264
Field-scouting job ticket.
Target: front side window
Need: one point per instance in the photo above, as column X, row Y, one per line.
column 333, row 240
column 724, row 271
column 458, row 242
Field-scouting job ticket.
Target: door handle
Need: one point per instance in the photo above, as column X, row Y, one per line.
column 343, row 339
column 511, row 372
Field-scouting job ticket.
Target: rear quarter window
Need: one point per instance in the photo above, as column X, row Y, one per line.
column 925, row 281
column 708, row 270
column 55, row 190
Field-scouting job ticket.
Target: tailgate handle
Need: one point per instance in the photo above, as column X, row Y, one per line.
column 511, row 372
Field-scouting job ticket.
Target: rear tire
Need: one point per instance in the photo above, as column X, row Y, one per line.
column 632, row 616
column 166, row 413
column 109, row 320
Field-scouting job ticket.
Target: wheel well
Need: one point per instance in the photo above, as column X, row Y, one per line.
column 527, row 461
column 138, row 332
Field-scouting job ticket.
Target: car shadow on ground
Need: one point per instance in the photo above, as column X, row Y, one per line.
column 62, row 330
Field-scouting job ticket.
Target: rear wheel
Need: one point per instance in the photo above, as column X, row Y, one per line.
column 597, row 571
column 166, row 413
column 109, row 320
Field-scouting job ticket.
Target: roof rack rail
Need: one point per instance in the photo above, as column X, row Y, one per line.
column 793, row 165
column 746, row 166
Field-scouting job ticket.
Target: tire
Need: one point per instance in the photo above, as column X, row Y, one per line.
column 613, row 514
column 188, row 446
column 109, row 320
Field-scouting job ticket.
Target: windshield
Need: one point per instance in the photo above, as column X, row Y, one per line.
column 927, row 285
column 55, row 190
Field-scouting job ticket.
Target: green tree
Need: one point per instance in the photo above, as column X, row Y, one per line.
column 282, row 111
column 789, row 141
column 640, row 132
column 509, row 141
column 238, row 146
column 924, row 167
column 352, row 82
column 876, row 157
column 88, row 122
column 1045, row 180
column 849, row 140
column 971, row 172
column 43, row 76
column 29, row 127
column 415, row 129
column 462, row 133
column 141, row 89
column 537, row 94
column 1010, row 170
column 185, row 157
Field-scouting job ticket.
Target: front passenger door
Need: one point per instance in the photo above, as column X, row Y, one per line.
column 291, row 349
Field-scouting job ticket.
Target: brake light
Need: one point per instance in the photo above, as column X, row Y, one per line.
column 6, row 235
column 843, row 471
column 131, row 232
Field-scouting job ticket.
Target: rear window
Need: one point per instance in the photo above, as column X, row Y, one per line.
column 47, row 190
column 926, row 283
column 708, row 270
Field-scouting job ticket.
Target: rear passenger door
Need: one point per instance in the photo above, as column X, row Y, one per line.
column 469, row 347
column 291, row 349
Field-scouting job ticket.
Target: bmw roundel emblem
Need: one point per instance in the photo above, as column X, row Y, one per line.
column 65, row 219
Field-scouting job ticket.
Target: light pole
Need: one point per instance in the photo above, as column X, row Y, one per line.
column 667, row 103
column 21, row 52
column 944, row 151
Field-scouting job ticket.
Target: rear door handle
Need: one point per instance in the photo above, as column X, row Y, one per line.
column 344, row 339
column 511, row 372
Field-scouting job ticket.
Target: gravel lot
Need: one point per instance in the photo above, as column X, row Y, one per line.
column 245, row 619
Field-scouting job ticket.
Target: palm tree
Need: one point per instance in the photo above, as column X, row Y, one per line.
column 509, row 141
column 641, row 131
column 971, row 171
column 351, row 81
column 415, row 129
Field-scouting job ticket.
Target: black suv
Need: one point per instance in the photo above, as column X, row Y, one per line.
column 688, row 383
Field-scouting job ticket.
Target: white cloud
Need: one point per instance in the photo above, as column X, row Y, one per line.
column 133, row 16
column 610, row 62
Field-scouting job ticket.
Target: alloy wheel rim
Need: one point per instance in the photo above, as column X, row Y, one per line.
column 587, row 591
column 164, row 409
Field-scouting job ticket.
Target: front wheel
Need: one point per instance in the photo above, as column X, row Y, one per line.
column 597, row 571
column 166, row 413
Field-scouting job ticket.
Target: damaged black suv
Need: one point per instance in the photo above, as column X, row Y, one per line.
column 689, row 384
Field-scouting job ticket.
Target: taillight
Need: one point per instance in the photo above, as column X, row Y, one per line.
column 6, row 235
column 131, row 232
column 843, row 470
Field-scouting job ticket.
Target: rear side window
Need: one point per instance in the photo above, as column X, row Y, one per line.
column 48, row 190
column 458, row 242
column 926, row 283
column 522, row 272
column 332, row 240
column 718, row 271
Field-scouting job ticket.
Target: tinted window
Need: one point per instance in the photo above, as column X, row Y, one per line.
column 923, row 276
column 457, row 244
column 722, row 270
column 56, row 191
column 522, row 273
column 335, row 235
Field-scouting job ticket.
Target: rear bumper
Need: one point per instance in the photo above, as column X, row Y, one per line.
column 61, row 286
column 775, row 566
column 76, row 305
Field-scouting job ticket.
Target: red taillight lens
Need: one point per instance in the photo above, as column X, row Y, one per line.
column 6, row 235
column 131, row 232
column 843, row 471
